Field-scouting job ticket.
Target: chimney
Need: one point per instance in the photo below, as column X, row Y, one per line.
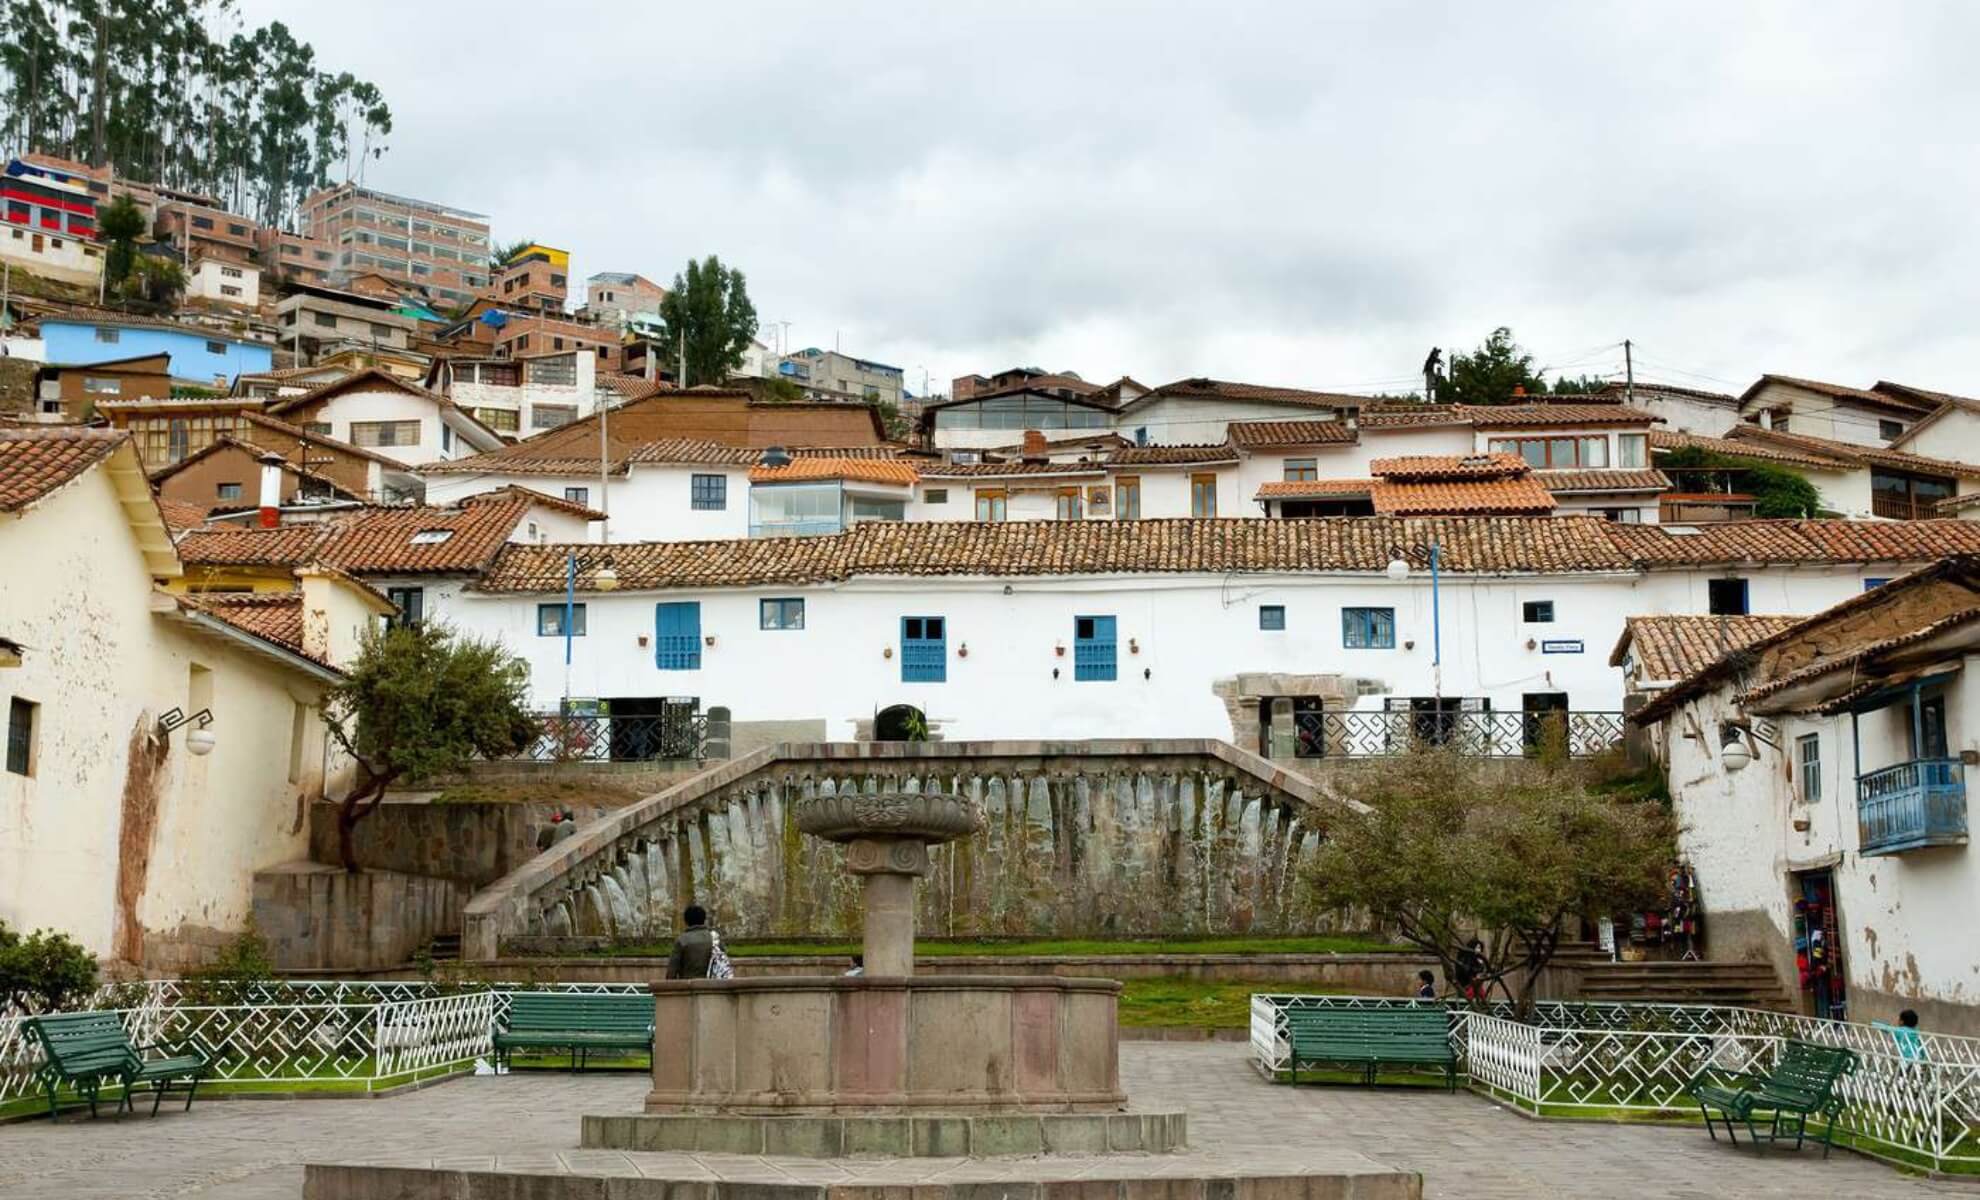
column 271, row 491
column 775, row 456
column 1035, row 445
column 1519, row 389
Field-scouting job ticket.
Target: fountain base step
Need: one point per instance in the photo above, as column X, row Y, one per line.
column 923, row 1135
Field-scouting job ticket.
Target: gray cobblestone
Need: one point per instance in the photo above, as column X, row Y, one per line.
column 1466, row 1148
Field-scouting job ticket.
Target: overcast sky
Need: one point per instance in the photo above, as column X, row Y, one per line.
column 1293, row 193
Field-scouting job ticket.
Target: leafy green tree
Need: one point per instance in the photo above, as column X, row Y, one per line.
column 780, row 391
column 504, row 253
column 420, row 701
column 1777, row 492
column 153, row 279
column 709, row 308
column 1491, row 373
column 45, row 970
column 121, row 224
column 892, row 419
column 1440, row 851
column 1582, row 385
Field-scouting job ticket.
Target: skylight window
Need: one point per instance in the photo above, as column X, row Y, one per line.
column 431, row 537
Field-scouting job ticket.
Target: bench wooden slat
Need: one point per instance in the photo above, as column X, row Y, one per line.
column 1804, row 1082
column 576, row 1021
column 1370, row 1037
column 87, row 1050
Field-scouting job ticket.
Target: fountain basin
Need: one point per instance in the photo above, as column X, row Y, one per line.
column 886, row 1044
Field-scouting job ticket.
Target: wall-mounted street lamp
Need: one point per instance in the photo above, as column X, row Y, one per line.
column 1734, row 752
column 1398, row 571
column 199, row 740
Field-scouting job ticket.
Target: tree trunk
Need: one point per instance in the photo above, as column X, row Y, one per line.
column 356, row 807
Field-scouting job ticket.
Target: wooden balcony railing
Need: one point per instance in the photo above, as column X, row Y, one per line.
column 1911, row 805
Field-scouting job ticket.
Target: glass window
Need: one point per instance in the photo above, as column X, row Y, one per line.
column 1069, row 508
column 709, row 493
column 384, row 433
column 501, row 420
column 1202, row 495
column 21, row 716
column 216, row 347
column 549, row 416
column 1726, row 597
column 935, row 496
column 869, row 508
column 1301, row 469
column 108, row 335
column 1632, row 449
column 1561, row 452
column 550, row 620
column 1368, row 628
column 1890, row 430
column 1808, row 758
column 1537, row 612
column 102, row 386
column 924, row 650
column 1271, row 616
column 1127, row 497
column 578, row 495
column 780, row 614
column 992, row 504
column 409, row 601
column 1594, row 452
column 1093, row 649
column 228, row 491
column 1875, row 581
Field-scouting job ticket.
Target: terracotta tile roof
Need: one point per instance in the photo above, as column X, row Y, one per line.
column 1449, row 466
column 1520, row 416
column 1290, row 433
column 1314, row 489
column 535, row 497
column 1000, row 470
column 1138, row 456
column 1832, row 541
column 819, row 467
column 631, row 387
column 181, row 516
column 1223, row 389
column 1958, row 504
column 1617, row 389
column 692, row 451
column 1666, row 440
column 271, row 616
column 937, row 548
column 1613, row 479
column 497, row 463
column 1850, row 452
column 1396, row 414
column 1925, row 396
column 1519, row 496
column 1889, row 403
column 377, row 541
column 36, row 461
column 1671, row 647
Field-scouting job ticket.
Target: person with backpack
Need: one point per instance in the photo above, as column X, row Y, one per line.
column 698, row 952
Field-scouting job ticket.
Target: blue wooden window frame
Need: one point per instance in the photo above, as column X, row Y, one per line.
column 1272, row 616
column 1368, row 628
column 1094, row 653
column 677, row 635
column 550, row 620
column 1875, row 582
column 1808, row 762
column 709, row 493
column 781, row 613
column 924, row 650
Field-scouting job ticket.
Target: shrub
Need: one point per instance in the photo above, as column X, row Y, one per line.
column 45, row 970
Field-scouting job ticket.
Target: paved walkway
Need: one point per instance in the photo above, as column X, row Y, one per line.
column 1466, row 1148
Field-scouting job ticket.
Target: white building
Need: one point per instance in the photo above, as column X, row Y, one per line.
column 1679, row 409
column 524, row 396
column 1859, row 416
column 378, row 411
column 114, row 826
column 223, row 281
column 1001, row 630
column 1851, row 479
column 1819, row 773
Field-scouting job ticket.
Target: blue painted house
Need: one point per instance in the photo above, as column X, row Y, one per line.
column 203, row 356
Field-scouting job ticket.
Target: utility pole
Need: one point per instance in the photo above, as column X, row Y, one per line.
column 683, row 382
column 1629, row 375
column 601, row 403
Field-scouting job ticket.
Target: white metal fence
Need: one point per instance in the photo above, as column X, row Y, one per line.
column 1917, row 1103
column 361, row 1033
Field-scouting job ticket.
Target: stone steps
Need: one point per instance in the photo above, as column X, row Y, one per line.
column 1747, row 984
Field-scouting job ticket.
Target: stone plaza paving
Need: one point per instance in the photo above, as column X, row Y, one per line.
column 1464, row 1146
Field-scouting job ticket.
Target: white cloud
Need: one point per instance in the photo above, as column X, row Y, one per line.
column 1284, row 193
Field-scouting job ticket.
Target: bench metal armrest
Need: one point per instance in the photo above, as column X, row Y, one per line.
column 177, row 1049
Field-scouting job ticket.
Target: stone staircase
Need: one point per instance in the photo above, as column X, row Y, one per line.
column 1744, row 984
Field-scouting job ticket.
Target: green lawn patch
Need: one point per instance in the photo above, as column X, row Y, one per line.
column 1172, row 1001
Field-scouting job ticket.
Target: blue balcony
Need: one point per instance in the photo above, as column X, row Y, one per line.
column 1911, row 805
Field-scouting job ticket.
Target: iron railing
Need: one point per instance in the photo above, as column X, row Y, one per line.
column 1911, row 804
column 571, row 737
column 1327, row 734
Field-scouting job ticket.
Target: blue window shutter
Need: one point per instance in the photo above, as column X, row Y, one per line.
column 924, row 650
column 677, row 636
column 1093, row 648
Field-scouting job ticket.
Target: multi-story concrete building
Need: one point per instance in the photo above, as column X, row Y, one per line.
column 612, row 296
column 314, row 319
column 51, row 224
column 830, row 375
column 536, row 277
column 440, row 248
column 293, row 256
column 200, row 229
column 228, row 281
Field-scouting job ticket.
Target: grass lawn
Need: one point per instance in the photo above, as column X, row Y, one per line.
column 1200, row 1004
column 1002, row 947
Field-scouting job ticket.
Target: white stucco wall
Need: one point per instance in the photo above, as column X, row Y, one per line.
column 101, row 664
column 387, row 404
column 1191, row 631
column 1953, row 435
column 1905, row 919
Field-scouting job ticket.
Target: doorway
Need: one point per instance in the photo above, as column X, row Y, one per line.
column 1818, row 945
column 648, row 727
column 1541, row 710
column 900, row 723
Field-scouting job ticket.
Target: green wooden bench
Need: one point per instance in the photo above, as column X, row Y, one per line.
column 1803, row 1083
column 1370, row 1037
column 87, row 1050
column 579, row 1022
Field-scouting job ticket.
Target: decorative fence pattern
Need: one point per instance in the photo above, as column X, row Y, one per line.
column 359, row 1032
column 585, row 738
column 1574, row 1057
column 1327, row 734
